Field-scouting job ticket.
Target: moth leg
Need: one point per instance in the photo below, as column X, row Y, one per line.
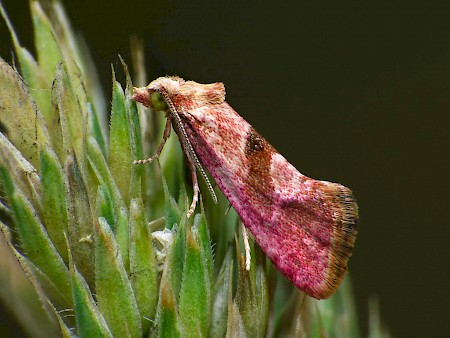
column 194, row 185
column 246, row 246
column 166, row 135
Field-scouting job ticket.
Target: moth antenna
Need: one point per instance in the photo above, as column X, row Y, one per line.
column 190, row 152
column 207, row 181
column 166, row 135
column 195, row 160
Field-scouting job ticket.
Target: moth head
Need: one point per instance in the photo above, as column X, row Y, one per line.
column 164, row 89
column 169, row 84
column 152, row 96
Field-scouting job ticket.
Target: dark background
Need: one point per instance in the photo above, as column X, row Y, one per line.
column 355, row 92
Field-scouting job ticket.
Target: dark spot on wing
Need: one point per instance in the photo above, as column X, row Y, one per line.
column 255, row 143
column 258, row 154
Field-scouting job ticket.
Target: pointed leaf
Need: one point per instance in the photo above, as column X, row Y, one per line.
column 35, row 78
column 69, row 123
column 172, row 163
column 23, row 174
column 53, row 201
column 137, row 184
column 225, row 220
column 74, row 48
column 35, row 241
column 176, row 257
column 195, row 292
column 143, row 273
column 20, row 292
column 337, row 313
column 80, row 227
column 288, row 302
column 376, row 327
column 114, row 292
column 172, row 210
column 262, row 296
column 202, row 228
column 65, row 331
column 104, row 205
column 96, row 129
column 31, row 71
column 252, row 296
column 120, row 161
column 90, row 322
column 122, row 234
column 102, row 172
column 222, row 287
column 21, row 121
column 48, row 51
column 235, row 324
column 167, row 322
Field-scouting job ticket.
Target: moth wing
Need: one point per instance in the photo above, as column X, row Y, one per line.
column 313, row 227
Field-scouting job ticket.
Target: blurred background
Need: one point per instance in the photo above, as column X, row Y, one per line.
column 351, row 92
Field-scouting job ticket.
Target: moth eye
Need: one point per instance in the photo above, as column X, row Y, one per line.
column 158, row 102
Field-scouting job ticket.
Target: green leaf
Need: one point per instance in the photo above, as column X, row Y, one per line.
column 261, row 291
column 176, row 257
column 246, row 300
column 114, row 292
column 35, row 78
column 36, row 243
column 96, row 129
column 31, row 72
column 195, row 291
column 120, row 161
column 104, row 205
column 376, row 327
column 89, row 320
column 143, row 273
column 47, row 49
column 21, row 121
column 201, row 226
column 23, row 174
column 167, row 322
column 53, row 201
column 20, row 291
column 338, row 313
column 122, row 234
column 80, row 63
column 65, row 331
column 80, row 227
column 102, row 172
column 224, row 218
column 252, row 295
column 137, row 184
column 172, row 210
column 235, row 324
column 222, row 287
column 112, row 202
column 68, row 124
column 288, row 302
column 172, row 163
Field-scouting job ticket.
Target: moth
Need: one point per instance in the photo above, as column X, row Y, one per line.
column 306, row 227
